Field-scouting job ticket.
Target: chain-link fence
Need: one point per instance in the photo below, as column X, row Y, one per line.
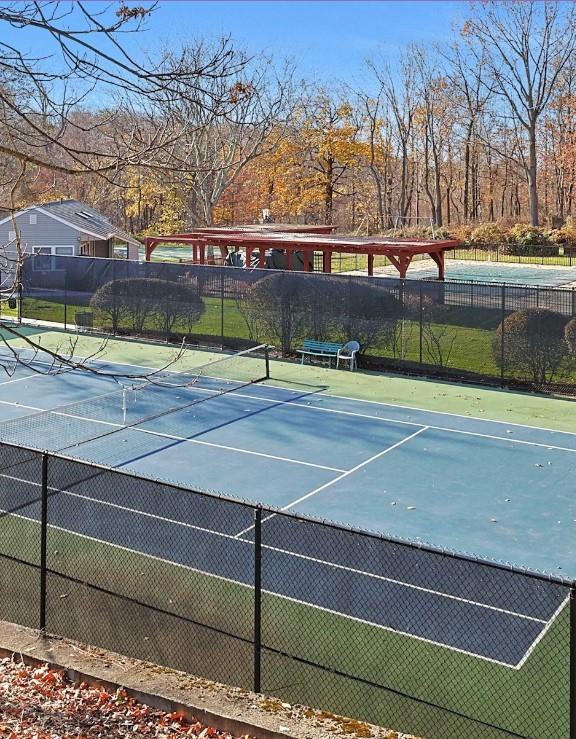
column 424, row 641
column 483, row 332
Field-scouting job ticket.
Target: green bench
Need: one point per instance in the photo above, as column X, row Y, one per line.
column 324, row 349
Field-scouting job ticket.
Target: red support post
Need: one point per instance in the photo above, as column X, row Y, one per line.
column 150, row 245
column 438, row 257
column 288, row 258
column 370, row 265
column 405, row 260
column 327, row 261
column 261, row 256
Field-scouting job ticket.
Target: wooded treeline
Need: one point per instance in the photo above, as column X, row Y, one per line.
column 480, row 129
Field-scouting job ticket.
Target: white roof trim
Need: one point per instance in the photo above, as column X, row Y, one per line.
column 17, row 215
column 66, row 223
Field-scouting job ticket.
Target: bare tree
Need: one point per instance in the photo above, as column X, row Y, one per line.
column 215, row 144
column 129, row 120
column 87, row 62
column 525, row 47
column 401, row 96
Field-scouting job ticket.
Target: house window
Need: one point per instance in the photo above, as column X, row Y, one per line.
column 44, row 257
column 11, row 235
column 33, row 219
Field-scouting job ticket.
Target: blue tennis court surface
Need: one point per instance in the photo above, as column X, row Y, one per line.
column 500, row 491
column 512, row 274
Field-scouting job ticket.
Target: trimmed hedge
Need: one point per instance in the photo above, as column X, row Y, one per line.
column 135, row 303
column 533, row 346
column 287, row 308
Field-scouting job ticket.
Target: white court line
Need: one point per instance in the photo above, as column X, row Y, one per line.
column 173, row 437
column 306, row 557
column 379, row 418
column 356, row 619
column 355, row 469
column 340, row 477
column 355, row 400
column 297, row 404
column 19, row 379
column 543, row 633
column 512, row 440
column 120, row 427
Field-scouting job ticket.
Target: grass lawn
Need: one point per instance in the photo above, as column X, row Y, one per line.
column 453, row 346
column 192, row 621
column 459, row 340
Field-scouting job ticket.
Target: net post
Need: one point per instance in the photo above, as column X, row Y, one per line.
column 43, row 540
column 572, row 678
column 257, row 598
column 267, row 361
column 124, row 407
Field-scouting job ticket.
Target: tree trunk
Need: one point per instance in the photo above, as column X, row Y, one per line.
column 466, row 204
column 532, row 173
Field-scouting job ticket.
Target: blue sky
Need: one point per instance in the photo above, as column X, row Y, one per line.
column 328, row 39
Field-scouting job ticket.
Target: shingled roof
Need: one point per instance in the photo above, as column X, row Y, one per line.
column 83, row 218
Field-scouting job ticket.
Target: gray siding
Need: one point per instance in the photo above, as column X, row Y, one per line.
column 46, row 232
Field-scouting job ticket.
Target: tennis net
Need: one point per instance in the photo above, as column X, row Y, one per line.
column 71, row 425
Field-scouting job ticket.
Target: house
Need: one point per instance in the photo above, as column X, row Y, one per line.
column 65, row 227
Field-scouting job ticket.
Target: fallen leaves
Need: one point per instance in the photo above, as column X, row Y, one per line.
column 39, row 703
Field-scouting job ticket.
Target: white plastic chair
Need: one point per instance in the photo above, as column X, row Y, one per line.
column 348, row 354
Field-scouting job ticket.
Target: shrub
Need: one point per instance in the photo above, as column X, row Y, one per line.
column 462, row 232
column 438, row 233
column 534, row 344
column 277, row 306
column 524, row 233
column 286, row 308
column 136, row 301
column 570, row 336
column 486, row 233
column 529, row 241
column 566, row 234
column 366, row 311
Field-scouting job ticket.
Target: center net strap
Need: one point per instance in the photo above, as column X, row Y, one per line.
column 74, row 424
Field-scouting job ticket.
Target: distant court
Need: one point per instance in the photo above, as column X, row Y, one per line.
column 478, row 271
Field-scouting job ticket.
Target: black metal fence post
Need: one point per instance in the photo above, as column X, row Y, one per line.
column 572, row 688
column 420, row 324
column 502, row 331
column 257, row 598
column 222, row 307
column 43, row 540
column 65, row 295
column 114, row 290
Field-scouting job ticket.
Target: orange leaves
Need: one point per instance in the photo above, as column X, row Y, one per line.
column 38, row 703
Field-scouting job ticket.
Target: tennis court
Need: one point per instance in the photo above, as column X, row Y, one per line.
column 500, row 491
column 487, row 271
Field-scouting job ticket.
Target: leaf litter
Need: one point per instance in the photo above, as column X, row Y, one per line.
column 40, row 703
